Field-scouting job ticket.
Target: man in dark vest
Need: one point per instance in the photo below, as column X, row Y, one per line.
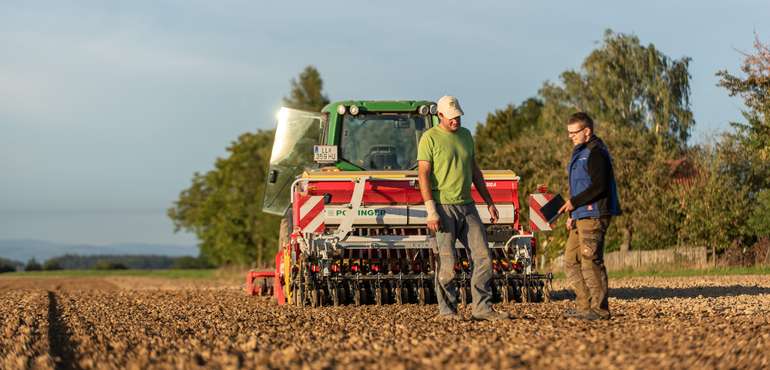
column 593, row 201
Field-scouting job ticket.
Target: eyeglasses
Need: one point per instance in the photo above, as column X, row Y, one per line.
column 575, row 132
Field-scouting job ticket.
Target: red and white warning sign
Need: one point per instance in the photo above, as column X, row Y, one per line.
column 537, row 221
column 309, row 213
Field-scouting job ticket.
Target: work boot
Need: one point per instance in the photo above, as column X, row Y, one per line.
column 605, row 315
column 452, row 317
column 492, row 316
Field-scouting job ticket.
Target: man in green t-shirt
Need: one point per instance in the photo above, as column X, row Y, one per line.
column 447, row 167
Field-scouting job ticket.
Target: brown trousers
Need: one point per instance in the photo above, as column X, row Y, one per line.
column 584, row 264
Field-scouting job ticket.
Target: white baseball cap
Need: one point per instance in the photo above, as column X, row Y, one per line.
column 449, row 107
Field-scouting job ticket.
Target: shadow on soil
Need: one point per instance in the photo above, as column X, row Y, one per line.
column 62, row 349
column 662, row 293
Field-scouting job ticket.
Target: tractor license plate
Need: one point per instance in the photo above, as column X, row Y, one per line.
column 325, row 153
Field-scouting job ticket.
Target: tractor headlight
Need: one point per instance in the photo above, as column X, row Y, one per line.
column 354, row 109
column 424, row 110
column 341, row 109
column 433, row 109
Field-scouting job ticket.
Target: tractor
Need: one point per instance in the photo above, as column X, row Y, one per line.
column 344, row 181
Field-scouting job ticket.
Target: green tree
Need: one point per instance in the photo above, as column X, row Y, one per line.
column 645, row 188
column 7, row 265
column 223, row 206
column 744, row 153
column 51, row 265
column 627, row 83
column 759, row 221
column 188, row 262
column 33, row 265
column 307, row 91
column 751, row 138
column 503, row 126
column 105, row 264
column 715, row 205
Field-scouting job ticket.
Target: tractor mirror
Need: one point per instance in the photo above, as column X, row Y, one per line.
column 272, row 177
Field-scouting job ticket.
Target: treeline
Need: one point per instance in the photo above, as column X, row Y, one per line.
column 7, row 265
column 108, row 262
column 673, row 191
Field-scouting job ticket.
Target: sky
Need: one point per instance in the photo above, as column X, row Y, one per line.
column 107, row 108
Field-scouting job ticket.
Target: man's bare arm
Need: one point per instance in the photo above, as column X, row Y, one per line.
column 481, row 187
column 432, row 221
column 423, row 175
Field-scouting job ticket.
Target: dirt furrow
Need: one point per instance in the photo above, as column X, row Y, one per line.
column 60, row 344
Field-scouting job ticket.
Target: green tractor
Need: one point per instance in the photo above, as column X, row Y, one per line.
column 353, row 231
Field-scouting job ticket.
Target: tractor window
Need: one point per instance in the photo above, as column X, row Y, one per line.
column 382, row 141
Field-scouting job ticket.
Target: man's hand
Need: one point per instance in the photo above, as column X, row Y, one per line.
column 569, row 223
column 567, row 207
column 433, row 221
column 433, row 225
column 493, row 214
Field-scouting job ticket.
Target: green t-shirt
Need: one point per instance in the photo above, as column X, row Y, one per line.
column 451, row 155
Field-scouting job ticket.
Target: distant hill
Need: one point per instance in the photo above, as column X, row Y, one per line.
column 24, row 249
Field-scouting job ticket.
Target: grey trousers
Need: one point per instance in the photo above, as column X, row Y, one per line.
column 462, row 222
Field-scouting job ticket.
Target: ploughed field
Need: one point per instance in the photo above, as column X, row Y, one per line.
column 138, row 323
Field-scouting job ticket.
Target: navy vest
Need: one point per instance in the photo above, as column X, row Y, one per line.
column 579, row 180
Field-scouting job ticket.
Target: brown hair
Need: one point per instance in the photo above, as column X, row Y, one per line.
column 583, row 118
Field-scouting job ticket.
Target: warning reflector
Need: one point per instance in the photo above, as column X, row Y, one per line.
column 538, row 222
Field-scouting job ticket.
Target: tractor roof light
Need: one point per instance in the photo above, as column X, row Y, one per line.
column 354, row 109
column 433, row 109
column 341, row 109
column 423, row 110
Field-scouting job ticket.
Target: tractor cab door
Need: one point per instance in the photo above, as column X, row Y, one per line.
column 296, row 134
